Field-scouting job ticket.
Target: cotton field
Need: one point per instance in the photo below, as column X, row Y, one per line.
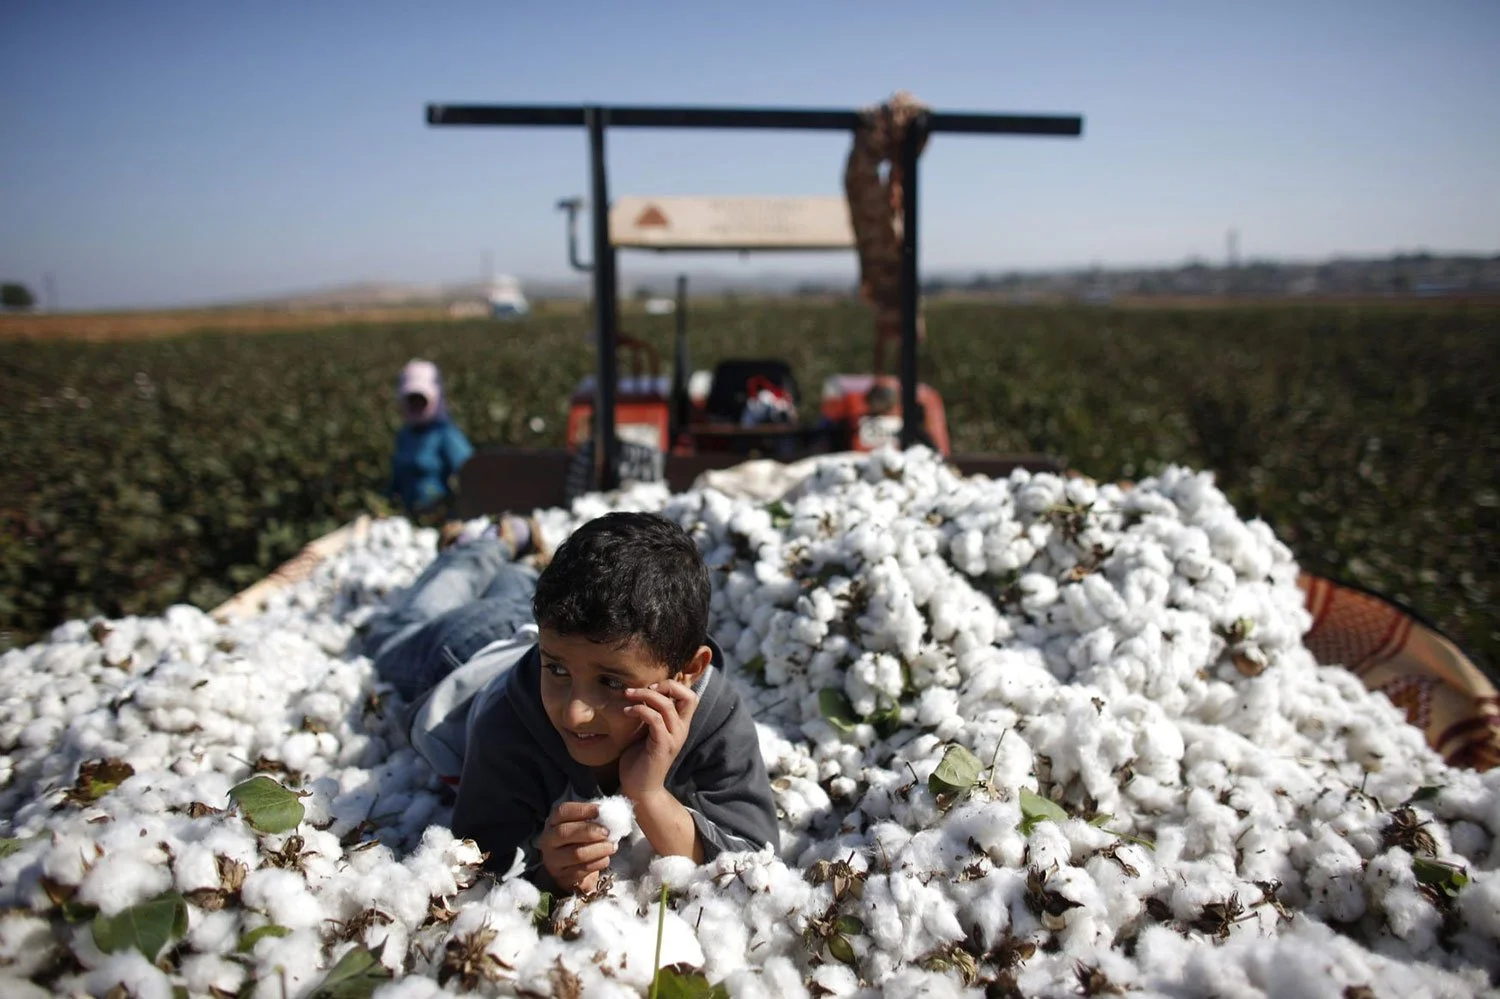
column 1036, row 736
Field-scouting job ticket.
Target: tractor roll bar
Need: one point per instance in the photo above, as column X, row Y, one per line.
column 801, row 119
column 595, row 118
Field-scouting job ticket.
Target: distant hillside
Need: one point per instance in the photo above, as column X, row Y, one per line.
column 386, row 294
column 1408, row 275
column 1419, row 275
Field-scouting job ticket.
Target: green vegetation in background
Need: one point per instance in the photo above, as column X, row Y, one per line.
column 16, row 296
column 143, row 474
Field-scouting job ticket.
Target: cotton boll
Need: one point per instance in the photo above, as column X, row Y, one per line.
column 720, row 925
column 1334, row 878
column 120, row 643
column 1411, row 917
column 213, row 932
column 932, row 668
column 69, row 859
column 410, row 987
column 205, row 784
column 1085, row 839
column 1159, row 747
column 938, row 709
column 1037, row 592
column 1472, row 796
column 1213, row 828
column 984, row 906
column 1084, row 925
column 1047, row 847
column 18, row 988
column 324, row 707
column 799, row 802
column 925, row 984
column 395, row 891
column 195, row 866
column 1469, row 839
column 1039, row 494
column 462, row 857
column 777, row 978
column 607, row 926
column 1479, row 904
column 514, row 942
column 26, row 944
column 352, row 807
column 1197, row 885
column 283, row 896
column 536, row 969
column 416, row 815
column 122, row 879
column 616, row 815
column 235, row 841
column 836, row 980
column 870, row 679
column 1106, row 602
column 318, row 803
column 984, row 824
column 128, row 969
column 910, row 919
column 295, row 960
column 205, row 972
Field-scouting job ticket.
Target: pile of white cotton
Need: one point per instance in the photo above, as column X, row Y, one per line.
column 1036, row 736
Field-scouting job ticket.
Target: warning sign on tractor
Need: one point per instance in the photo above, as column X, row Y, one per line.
column 743, row 223
column 651, row 217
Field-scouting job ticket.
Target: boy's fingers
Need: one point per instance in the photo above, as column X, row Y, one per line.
column 654, row 719
column 573, row 869
column 681, row 694
column 573, row 811
column 590, row 852
column 657, row 701
column 578, row 872
column 650, row 706
column 568, row 833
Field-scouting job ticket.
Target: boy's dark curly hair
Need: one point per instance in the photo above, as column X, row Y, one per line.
column 628, row 576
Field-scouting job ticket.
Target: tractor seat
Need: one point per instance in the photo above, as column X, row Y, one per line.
column 731, row 385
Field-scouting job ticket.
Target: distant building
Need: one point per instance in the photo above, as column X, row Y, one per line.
column 502, row 299
column 506, row 299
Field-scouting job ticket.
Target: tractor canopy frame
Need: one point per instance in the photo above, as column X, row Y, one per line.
column 598, row 118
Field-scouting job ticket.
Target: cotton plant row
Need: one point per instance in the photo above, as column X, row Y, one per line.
column 1033, row 736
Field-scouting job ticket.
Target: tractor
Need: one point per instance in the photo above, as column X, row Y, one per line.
column 745, row 406
column 645, row 425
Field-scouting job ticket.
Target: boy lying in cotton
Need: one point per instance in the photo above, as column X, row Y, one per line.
column 538, row 695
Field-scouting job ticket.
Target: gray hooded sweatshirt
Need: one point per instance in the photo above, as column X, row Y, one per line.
column 486, row 722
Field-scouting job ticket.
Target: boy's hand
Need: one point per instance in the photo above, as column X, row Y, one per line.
column 666, row 710
column 574, row 847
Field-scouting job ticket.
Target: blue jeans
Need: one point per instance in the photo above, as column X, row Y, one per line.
column 470, row 596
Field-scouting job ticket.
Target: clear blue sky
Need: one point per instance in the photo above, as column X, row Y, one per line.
column 157, row 153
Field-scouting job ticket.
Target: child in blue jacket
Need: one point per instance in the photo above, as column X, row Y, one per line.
column 430, row 449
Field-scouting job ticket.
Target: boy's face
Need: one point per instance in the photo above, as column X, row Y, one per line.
column 583, row 690
column 415, row 405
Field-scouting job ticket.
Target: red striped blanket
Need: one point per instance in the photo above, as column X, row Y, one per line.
column 1423, row 673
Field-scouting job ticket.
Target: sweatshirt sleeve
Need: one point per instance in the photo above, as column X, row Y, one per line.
column 730, row 800
column 505, row 793
column 457, row 449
